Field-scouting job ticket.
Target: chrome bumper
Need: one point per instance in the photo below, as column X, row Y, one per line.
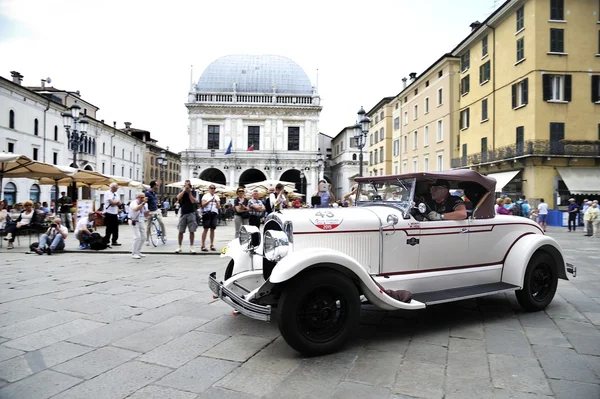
column 572, row 269
column 252, row 310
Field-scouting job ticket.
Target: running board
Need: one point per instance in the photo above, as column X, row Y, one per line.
column 457, row 294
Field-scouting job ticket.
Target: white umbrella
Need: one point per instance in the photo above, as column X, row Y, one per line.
column 266, row 184
column 199, row 184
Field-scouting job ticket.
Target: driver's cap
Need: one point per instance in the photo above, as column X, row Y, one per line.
column 441, row 183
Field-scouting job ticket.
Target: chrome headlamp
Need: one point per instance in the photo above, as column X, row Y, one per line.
column 276, row 245
column 249, row 237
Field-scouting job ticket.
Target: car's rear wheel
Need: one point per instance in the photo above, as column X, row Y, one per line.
column 318, row 312
column 539, row 284
column 229, row 270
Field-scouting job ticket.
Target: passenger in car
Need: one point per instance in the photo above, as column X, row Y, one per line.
column 443, row 205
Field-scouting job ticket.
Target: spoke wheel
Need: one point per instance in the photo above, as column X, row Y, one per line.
column 540, row 282
column 319, row 311
column 153, row 234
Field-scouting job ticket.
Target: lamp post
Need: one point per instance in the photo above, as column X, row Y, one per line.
column 360, row 135
column 195, row 173
column 162, row 163
column 302, row 183
column 320, row 164
column 76, row 128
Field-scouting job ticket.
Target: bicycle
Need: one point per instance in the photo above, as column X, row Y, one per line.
column 155, row 232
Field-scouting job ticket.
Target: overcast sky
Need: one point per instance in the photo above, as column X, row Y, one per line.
column 132, row 58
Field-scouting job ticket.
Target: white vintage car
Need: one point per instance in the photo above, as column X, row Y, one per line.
column 311, row 269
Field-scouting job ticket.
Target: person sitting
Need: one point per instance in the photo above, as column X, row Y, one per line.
column 55, row 236
column 3, row 215
column 83, row 229
column 443, row 205
column 23, row 221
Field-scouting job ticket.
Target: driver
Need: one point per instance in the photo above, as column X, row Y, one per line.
column 443, row 205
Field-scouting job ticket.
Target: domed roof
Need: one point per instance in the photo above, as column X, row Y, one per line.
column 254, row 74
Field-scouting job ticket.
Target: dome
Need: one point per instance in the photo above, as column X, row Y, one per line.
column 254, row 74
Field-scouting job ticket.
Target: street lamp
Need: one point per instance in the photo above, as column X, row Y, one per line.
column 320, row 164
column 302, row 183
column 76, row 128
column 162, row 163
column 360, row 135
column 195, row 173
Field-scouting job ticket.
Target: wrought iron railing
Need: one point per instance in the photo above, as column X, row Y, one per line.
column 571, row 148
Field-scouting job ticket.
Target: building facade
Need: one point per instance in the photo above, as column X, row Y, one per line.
column 379, row 138
column 344, row 162
column 529, row 104
column 253, row 118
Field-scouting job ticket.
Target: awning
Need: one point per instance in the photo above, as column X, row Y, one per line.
column 503, row 178
column 581, row 180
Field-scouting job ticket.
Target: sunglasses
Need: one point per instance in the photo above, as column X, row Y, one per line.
column 241, row 191
column 212, row 188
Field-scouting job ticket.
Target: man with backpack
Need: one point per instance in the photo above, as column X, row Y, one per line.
column 521, row 207
column 84, row 228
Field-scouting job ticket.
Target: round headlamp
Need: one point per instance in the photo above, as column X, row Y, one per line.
column 276, row 245
column 249, row 236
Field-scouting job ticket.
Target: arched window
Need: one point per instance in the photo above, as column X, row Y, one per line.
column 10, row 193
column 34, row 193
column 11, row 119
column 55, row 133
column 36, row 127
column 354, row 157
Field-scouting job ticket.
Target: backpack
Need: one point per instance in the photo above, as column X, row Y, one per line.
column 96, row 242
column 516, row 209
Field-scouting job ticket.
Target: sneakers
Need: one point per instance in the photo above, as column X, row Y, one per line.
column 82, row 246
column 147, row 243
column 115, row 244
column 142, row 255
column 136, row 257
column 178, row 250
column 38, row 251
column 49, row 251
column 192, row 250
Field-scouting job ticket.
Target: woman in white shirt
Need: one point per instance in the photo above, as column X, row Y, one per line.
column 24, row 220
column 138, row 210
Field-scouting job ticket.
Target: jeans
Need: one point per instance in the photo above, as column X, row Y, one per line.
column 158, row 214
column 589, row 228
column 572, row 221
column 138, row 236
column 239, row 222
column 57, row 243
column 112, row 227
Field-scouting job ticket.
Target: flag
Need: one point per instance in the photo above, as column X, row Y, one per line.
column 251, row 148
column 228, row 151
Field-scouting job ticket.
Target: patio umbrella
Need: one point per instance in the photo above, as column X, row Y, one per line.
column 199, row 184
column 81, row 178
column 138, row 184
column 120, row 180
column 15, row 165
column 266, row 184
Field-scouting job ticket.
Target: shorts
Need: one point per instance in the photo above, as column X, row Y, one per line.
column 187, row 220
column 210, row 220
column 542, row 218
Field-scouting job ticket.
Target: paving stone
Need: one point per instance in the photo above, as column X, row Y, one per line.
column 426, row 353
column 560, row 309
column 220, row 393
column 261, row 329
column 32, row 362
column 117, row 383
column 302, row 386
column 507, row 342
column 199, row 374
column 52, row 335
column 432, row 335
column 253, row 382
column 133, row 298
column 571, row 390
column 593, row 363
column 536, row 320
column 473, row 330
column 507, row 321
column 461, row 388
column 467, row 358
column 238, row 348
column 278, row 357
column 226, row 325
column 212, row 310
column 593, row 317
column 165, row 312
column 45, row 302
column 564, row 364
column 108, row 333
column 375, row 368
column 507, row 394
column 36, row 324
column 96, row 362
column 585, row 344
column 22, row 314
column 518, row 373
column 423, row 380
column 162, row 299
column 87, row 289
column 8, row 353
column 181, row 350
column 115, row 314
column 156, row 392
column 148, row 339
column 575, row 327
column 120, row 289
column 348, row 390
column 396, row 342
column 546, row 336
column 39, row 386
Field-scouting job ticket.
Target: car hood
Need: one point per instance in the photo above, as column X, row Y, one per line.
column 335, row 220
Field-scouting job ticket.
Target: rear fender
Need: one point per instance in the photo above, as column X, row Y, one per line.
column 517, row 259
column 299, row 261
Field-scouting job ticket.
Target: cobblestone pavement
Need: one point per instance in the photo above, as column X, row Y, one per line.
column 85, row 325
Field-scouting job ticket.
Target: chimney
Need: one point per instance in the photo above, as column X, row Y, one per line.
column 475, row 25
column 16, row 77
column 127, row 125
column 413, row 76
column 403, row 83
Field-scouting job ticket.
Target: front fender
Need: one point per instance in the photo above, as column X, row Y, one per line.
column 301, row 260
column 521, row 252
column 242, row 259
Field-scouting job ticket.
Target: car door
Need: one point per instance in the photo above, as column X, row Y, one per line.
column 443, row 244
column 400, row 249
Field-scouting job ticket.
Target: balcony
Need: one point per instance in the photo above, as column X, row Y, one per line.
column 538, row 148
column 257, row 99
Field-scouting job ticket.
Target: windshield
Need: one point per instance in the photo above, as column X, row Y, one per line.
column 397, row 192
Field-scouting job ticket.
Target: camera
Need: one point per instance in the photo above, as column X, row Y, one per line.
column 53, row 225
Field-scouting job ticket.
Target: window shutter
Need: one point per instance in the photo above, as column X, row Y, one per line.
column 481, row 74
column 467, row 116
column 460, row 120
column 595, row 83
column 514, row 96
column 547, row 87
column 567, row 87
column 525, row 90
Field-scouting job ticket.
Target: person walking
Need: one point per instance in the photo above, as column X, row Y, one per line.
column 257, row 209
column 187, row 200
column 138, row 210
column 240, row 204
column 152, row 202
column 573, row 211
column 111, row 212
column 66, row 205
column 542, row 214
column 590, row 217
column 210, row 216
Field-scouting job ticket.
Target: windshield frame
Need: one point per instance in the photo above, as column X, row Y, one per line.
column 405, row 205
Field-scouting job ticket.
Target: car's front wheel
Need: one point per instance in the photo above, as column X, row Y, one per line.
column 539, row 285
column 229, row 270
column 318, row 311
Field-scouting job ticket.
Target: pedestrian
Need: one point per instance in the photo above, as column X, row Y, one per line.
column 66, row 203
column 269, row 201
column 53, row 239
column 138, row 211
column 573, row 211
column 327, row 197
column 597, row 219
column 187, row 200
column 111, row 215
column 589, row 217
column 152, row 203
column 176, row 206
column 166, row 206
column 242, row 216
column 281, row 199
column 210, row 216
column 542, row 214
column 257, row 209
